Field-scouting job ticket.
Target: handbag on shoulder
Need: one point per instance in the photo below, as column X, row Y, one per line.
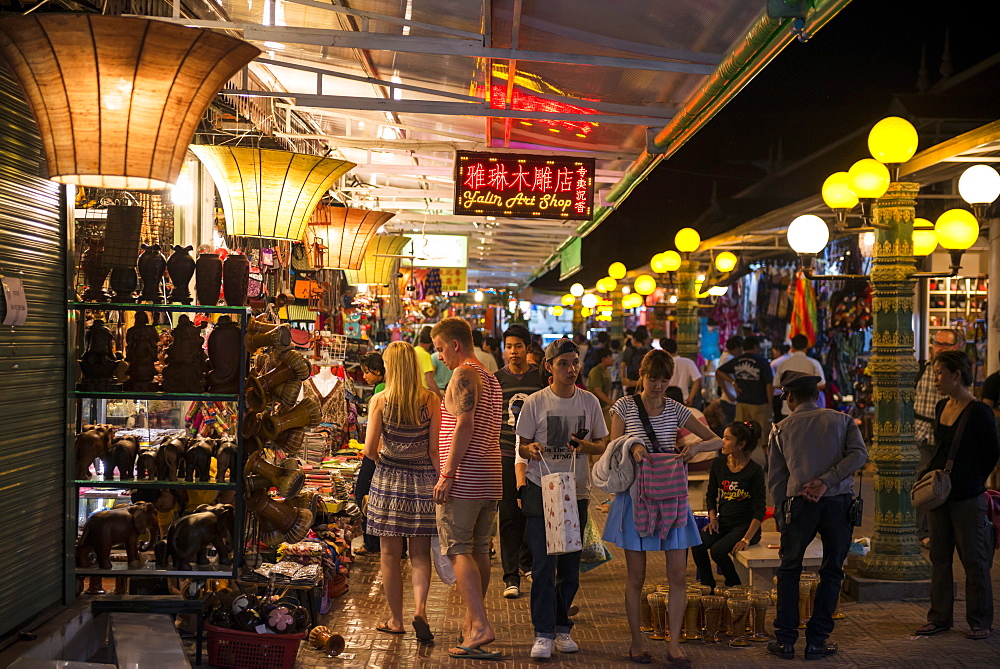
column 933, row 488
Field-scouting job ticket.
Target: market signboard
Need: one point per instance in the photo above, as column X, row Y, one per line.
column 515, row 185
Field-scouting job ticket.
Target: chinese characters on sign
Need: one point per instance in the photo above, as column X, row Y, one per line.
column 521, row 186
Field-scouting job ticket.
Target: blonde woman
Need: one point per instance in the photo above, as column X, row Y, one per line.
column 406, row 419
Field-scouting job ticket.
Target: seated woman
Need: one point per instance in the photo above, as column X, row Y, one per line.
column 736, row 503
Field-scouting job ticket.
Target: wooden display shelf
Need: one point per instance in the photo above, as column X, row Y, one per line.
column 145, row 484
column 167, row 308
column 149, row 569
column 135, row 395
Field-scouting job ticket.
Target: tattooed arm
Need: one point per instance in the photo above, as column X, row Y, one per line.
column 462, row 397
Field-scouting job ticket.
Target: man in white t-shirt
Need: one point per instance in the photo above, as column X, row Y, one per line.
column 558, row 427
column 734, row 349
column 686, row 376
column 485, row 359
column 798, row 361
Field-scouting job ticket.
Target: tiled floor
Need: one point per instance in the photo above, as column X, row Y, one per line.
column 872, row 635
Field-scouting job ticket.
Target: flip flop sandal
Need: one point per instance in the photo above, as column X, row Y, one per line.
column 978, row 635
column 930, row 629
column 476, row 654
column 384, row 627
column 423, row 630
column 642, row 658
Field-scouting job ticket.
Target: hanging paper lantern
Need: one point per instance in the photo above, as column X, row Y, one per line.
column 267, row 193
column 381, row 262
column 338, row 236
column 117, row 99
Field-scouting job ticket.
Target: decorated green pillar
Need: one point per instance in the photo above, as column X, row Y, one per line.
column 616, row 327
column 687, row 310
column 895, row 552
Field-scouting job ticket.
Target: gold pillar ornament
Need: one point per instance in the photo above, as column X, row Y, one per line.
column 895, row 553
column 687, row 310
column 268, row 193
column 381, row 261
column 117, row 99
column 337, row 237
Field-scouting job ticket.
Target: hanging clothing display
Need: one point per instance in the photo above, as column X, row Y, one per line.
column 804, row 309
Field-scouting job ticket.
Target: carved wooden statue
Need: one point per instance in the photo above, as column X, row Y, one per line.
column 99, row 360
column 224, row 348
column 141, row 342
column 186, row 362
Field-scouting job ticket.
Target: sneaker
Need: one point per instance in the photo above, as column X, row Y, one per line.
column 512, row 592
column 542, row 650
column 565, row 644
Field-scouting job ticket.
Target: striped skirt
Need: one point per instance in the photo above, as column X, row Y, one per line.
column 401, row 499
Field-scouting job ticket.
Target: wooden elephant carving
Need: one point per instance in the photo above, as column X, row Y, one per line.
column 170, row 459
column 145, row 464
column 189, row 536
column 225, row 459
column 198, row 460
column 120, row 526
column 121, row 456
column 93, row 442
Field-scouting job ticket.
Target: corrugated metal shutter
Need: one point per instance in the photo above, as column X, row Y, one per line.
column 32, row 374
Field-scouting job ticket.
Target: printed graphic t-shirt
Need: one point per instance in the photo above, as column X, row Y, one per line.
column 736, row 497
column 516, row 389
column 752, row 374
column 551, row 421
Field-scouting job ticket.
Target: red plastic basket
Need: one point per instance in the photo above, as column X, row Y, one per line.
column 248, row 650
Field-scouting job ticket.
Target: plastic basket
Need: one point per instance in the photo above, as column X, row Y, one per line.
column 248, row 650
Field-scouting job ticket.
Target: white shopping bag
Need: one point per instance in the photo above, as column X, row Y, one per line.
column 442, row 563
column 562, row 516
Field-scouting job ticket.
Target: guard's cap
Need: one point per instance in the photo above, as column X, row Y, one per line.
column 792, row 380
column 560, row 346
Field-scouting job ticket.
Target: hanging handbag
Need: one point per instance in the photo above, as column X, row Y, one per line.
column 933, row 488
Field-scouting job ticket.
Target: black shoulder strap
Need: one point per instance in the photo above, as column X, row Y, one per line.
column 640, row 408
column 957, row 439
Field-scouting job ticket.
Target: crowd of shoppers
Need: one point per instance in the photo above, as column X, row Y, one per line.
column 450, row 454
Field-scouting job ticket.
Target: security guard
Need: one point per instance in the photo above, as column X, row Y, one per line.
column 812, row 456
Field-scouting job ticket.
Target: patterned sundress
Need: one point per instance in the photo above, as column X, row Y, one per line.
column 401, row 499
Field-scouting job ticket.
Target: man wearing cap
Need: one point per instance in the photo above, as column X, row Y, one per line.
column 558, row 427
column 812, row 456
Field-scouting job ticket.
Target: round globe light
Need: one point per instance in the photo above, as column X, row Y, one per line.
column 607, row 284
column 568, row 300
column 672, row 259
column 866, row 244
column 645, row 284
column 616, row 270
column 557, row 311
column 589, row 300
column 893, row 140
column 718, row 291
column 868, row 178
column 658, row 264
column 837, row 193
column 980, row 184
column 631, row 301
column 576, row 290
column 957, row 229
column 808, row 234
column 586, row 312
column 687, row 240
column 725, row 261
column 673, row 299
column 924, row 237
column 478, row 297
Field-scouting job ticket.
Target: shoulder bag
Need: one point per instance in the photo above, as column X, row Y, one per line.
column 640, row 409
column 933, row 488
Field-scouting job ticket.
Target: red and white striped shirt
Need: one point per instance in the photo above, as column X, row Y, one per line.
column 479, row 474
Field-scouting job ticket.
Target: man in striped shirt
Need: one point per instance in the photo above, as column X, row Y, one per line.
column 470, row 482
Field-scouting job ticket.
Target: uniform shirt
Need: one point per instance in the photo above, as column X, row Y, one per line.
column 924, row 402
column 425, row 364
column 752, row 374
column 479, row 473
column 813, row 443
column 798, row 361
column 516, row 389
column 551, row 421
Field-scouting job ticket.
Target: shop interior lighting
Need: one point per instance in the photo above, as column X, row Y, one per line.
column 586, row 312
column 381, row 262
column 117, row 99
column 718, row 291
column 268, row 193
column 478, row 296
column 557, row 311
column 337, row 237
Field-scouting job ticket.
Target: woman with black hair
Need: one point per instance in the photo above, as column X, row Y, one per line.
column 735, row 499
column 961, row 522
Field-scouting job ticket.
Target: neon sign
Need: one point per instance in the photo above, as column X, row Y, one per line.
column 521, row 186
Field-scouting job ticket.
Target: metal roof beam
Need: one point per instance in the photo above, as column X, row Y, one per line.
column 438, row 108
column 438, row 46
column 366, row 16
